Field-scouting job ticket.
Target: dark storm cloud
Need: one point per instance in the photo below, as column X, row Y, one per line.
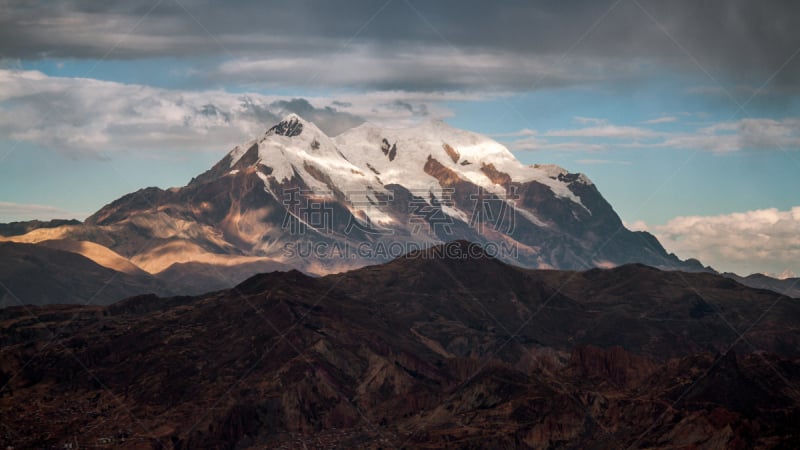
column 458, row 44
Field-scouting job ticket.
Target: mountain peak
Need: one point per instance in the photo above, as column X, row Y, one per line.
column 290, row 126
column 293, row 116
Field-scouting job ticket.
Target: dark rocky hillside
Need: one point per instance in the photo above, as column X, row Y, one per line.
column 423, row 352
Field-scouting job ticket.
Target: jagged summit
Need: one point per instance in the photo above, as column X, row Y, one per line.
column 428, row 157
column 369, row 157
column 291, row 125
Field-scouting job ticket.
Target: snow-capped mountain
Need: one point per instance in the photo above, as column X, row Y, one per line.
column 299, row 197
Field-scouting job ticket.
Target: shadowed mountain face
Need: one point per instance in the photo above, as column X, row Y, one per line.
column 297, row 197
column 427, row 351
column 38, row 275
column 19, row 228
column 787, row 286
column 196, row 278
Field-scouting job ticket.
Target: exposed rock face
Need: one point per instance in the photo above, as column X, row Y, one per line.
column 425, row 185
column 451, row 152
column 289, row 127
column 614, row 365
column 389, row 150
column 428, row 351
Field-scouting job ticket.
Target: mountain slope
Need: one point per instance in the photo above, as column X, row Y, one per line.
column 787, row 286
column 416, row 353
column 18, row 228
column 37, row 274
column 370, row 188
column 194, row 278
column 97, row 253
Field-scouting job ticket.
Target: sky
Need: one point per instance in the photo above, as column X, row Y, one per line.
column 685, row 114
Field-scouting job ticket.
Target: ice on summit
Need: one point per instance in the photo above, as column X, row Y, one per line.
column 362, row 160
column 415, row 144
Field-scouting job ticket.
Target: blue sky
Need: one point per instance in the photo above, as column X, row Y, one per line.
column 671, row 119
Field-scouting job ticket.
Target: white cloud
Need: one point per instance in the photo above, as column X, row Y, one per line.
column 758, row 134
column 743, row 134
column 605, row 131
column 603, row 162
column 659, row 120
column 537, row 144
column 89, row 117
column 92, row 117
column 10, row 212
column 519, row 133
column 590, row 120
column 788, row 273
column 86, row 116
column 766, row 240
column 639, row 225
column 529, row 143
